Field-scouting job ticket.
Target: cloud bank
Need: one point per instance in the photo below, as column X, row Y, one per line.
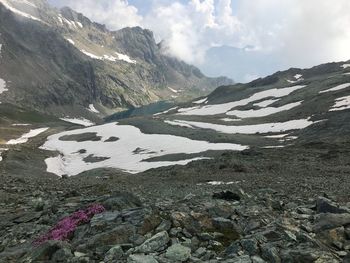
column 290, row 33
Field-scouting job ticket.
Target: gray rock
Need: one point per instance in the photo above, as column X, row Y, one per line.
column 178, row 252
column 62, row 255
column 242, row 259
column 164, row 226
column 114, row 254
column 250, row 246
column 155, row 243
column 140, row 258
column 324, row 205
column 270, row 254
column 257, row 259
column 222, row 223
column 329, row 221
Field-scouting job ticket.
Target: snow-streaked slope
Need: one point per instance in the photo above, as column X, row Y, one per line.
column 250, row 129
column 128, row 153
column 25, row 137
column 216, row 109
column 10, row 7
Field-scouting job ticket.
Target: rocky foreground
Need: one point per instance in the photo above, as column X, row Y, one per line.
column 224, row 226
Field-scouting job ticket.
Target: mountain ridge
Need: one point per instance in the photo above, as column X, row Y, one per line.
column 89, row 64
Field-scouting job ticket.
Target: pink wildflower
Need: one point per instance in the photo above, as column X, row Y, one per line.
column 65, row 228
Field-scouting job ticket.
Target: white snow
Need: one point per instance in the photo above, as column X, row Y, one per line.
column 230, row 120
column 252, row 129
column 70, row 41
column 277, row 136
column 25, row 137
column 298, row 76
column 3, row 86
column 223, row 108
column 175, row 123
column 93, row 109
column 263, row 112
column 79, row 24
column 20, row 124
column 91, row 55
column 339, row 87
column 79, row 121
column 200, row 101
column 122, row 153
column 342, row 103
column 109, row 57
column 1, row 151
column 125, row 58
column 166, row 111
column 345, row 66
column 18, row 12
column 173, row 90
column 265, row 103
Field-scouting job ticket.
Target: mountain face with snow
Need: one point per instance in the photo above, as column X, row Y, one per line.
column 60, row 62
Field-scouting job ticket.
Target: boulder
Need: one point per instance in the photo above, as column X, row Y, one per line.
column 155, row 243
column 324, row 205
column 178, row 253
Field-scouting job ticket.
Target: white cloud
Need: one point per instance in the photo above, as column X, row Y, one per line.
column 116, row 14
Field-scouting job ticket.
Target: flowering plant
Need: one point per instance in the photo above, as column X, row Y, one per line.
column 65, row 228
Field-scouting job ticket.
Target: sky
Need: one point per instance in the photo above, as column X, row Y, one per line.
column 241, row 39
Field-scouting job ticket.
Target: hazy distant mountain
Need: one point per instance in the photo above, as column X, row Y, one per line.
column 59, row 61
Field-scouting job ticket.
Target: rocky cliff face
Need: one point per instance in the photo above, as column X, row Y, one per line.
column 61, row 62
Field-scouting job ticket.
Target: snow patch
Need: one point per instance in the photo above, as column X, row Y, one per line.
column 252, row 129
column 223, row 108
column 25, row 137
column 70, row 41
column 1, row 151
column 93, row 109
column 173, row 90
column 3, row 86
column 339, row 87
column 122, row 154
column 125, row 58
column 230, row 120
column 201, row 101
column 166, row 111
column 79, row 121
column 175, row 123
column 263, row 112
column 265, row 103
column 345, row 66
column 342, row 103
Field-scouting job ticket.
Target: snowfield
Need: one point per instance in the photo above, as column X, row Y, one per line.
column 128, row 153
column 264, row 111
column 25, row 137
column 250, row 129
column 216, row 109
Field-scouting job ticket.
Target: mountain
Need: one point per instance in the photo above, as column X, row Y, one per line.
column 255, row 172
column 60, row 62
